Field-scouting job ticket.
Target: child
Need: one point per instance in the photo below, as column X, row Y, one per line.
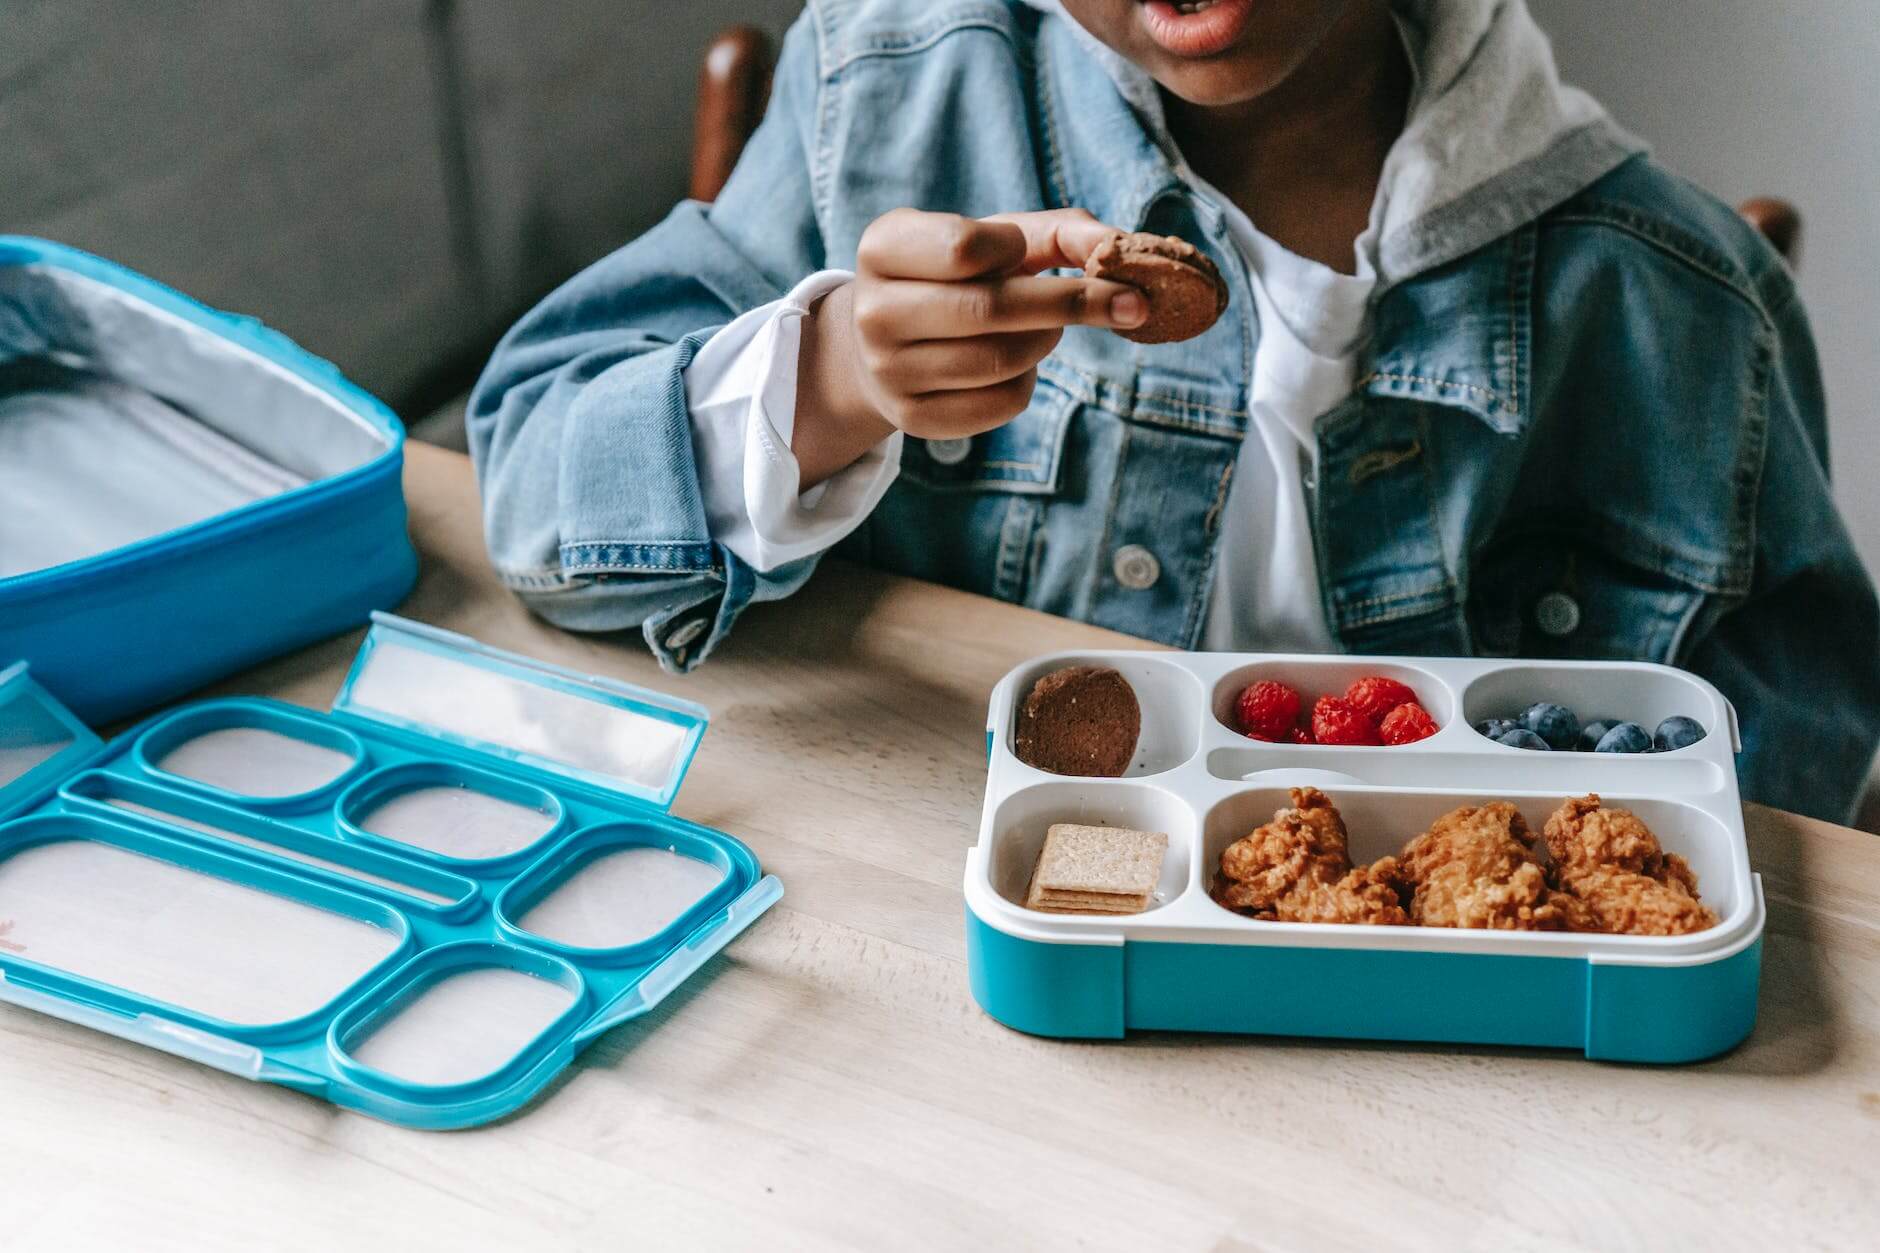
column 1489, row 381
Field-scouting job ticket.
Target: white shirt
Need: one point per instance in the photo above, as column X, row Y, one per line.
column 742, row 391
column 1312, row 320
column 741, row 388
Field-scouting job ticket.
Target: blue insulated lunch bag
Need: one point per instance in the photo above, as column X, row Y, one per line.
column 183, row 492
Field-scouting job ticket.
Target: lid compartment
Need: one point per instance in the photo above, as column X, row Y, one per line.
column 40, row 740
column 451, row 688
column 144, row 923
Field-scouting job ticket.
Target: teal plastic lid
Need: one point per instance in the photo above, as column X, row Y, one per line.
column 593, row 730
column 427, row 929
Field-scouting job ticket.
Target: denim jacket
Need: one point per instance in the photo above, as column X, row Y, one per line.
column 1599, row 435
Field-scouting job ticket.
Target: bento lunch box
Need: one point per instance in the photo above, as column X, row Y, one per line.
column 420, row 906
column 1189, row 964
column 183, row 492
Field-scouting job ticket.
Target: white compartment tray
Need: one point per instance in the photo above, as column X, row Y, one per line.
column 1199, row 779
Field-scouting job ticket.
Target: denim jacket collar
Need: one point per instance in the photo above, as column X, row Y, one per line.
column 1457, row 336
column 1460, row 336
column 1100, row 153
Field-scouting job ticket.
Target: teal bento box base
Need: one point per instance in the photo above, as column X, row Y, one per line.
column 1609, row 1013
column 305, row 536
column 1180, row 961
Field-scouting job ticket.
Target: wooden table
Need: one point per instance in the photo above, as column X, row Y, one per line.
column 830, row 1083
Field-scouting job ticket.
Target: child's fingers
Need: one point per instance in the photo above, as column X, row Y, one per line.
column 953, row 414
column 908, row 311
column 1056, row 237
column 910, row 244
column 964, row 364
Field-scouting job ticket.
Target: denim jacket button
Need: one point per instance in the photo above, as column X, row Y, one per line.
column 949, row 452
column 686, row 633
column 1557, row 614
column 1136, row 567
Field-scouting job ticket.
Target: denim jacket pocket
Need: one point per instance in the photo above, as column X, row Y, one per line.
column 1024, row 456
column 1558, row 594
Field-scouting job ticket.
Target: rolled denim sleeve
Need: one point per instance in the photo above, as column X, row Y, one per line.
column 1800, row 656
column 579, row 426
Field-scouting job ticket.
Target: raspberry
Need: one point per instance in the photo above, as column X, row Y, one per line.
column 1267, row 710
column 1302, row 734
column 1374, row 696
column 1406, row 724
column 1336, row 721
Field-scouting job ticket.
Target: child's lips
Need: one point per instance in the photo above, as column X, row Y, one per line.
column 1207, row 28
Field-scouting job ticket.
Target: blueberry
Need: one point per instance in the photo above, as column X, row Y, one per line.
column 1593, row 732
column 1521, row 737
column 1627, row 737
column 1677, row 732
column 1553, row 723
column 1495, row 728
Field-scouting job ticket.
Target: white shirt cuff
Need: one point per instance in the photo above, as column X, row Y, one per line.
column 741, row 389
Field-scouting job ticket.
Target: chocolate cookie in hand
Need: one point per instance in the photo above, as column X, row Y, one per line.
column 1185, row 291
column 1079, row 720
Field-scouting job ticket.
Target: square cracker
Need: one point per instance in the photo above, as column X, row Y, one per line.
column 1054, row 896
column 1096, row 868
column 1089, row 903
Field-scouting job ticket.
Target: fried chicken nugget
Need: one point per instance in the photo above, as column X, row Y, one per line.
column 1297, row 868
column 1475, row 868
column 1620, row 878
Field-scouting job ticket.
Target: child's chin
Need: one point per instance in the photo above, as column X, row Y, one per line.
column 1217, row 83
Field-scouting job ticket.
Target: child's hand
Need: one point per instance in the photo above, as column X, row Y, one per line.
column 941, row 332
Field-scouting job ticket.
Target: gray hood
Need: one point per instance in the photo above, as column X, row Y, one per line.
column 1494, row 138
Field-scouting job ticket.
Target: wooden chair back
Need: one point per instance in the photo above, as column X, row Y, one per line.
column 733, row 86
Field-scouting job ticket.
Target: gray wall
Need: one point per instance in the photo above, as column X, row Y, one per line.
column 387, row 181
column 1754, row 97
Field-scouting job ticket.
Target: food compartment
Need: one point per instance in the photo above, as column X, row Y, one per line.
column 214, row 937
column 422, row 884
column 1380, row 822
column 261, row 754
column 457, row 1015
column 619, row 888
column 1021, row 820
column 456, row 813
column 1644, row 694
column 1168, row 696
column 1313, row 677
